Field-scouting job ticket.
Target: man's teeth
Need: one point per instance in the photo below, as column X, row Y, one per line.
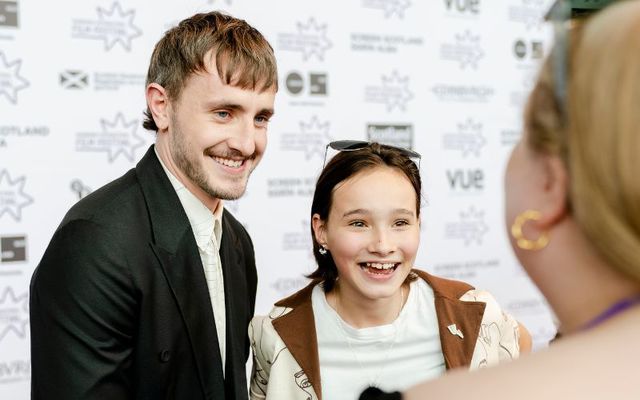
column 380, row 265
column 229, row 163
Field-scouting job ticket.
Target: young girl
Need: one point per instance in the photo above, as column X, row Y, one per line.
column 369, row 318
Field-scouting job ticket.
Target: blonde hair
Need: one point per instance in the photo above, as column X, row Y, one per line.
column 600, row 139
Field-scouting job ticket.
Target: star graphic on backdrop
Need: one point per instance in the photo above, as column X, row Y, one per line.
column 125, row 32
column 12, row 196
column 397, row 91
column 473, row 226
column 314, row 39
column 315, row 135
column 10, row 80
column 130, row 140
column 14, row 313
column 472, row 139
column 469, row 52
column 397, row 7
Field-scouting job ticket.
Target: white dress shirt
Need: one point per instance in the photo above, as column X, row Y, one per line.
column 207, row 230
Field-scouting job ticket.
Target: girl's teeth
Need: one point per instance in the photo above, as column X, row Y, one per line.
column 380, row 265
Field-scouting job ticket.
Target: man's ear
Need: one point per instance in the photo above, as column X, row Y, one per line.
column 319, row 229
column 158, row 103
column 554, row 200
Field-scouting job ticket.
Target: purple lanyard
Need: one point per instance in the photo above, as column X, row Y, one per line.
column 616, row 308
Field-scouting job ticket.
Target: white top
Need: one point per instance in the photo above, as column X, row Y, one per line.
column 207, row 229
column 352, row 359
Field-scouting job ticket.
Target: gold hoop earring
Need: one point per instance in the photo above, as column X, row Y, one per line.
column 522, row 242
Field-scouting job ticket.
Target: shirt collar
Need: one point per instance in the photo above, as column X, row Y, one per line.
column 203, row 222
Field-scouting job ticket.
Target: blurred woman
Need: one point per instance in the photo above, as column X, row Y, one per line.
column 368, row 318
column 573, row 206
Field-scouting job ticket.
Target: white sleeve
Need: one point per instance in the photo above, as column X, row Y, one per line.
column 261, row 366
column 498, row 336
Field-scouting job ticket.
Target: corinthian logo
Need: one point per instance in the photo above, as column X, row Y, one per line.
column 10, row 80
column 117, row 137
column 12, row 196
column 112, row 26
column 310, row 40
column 390, row 7
column 394, row 92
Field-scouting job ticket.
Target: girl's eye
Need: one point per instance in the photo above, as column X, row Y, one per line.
column 358, row 224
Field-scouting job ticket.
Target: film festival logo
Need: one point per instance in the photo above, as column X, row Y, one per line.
column 310, row 40
column 9, row 14
column 390, row 7
column 13, row 249
column 14, row 313
column 463, row 93
column 463, row 8
column 10, row 80
column 393, row 93
column 529, row 12
column 112, row 26
column 311, row 139
column 470, row 228
column 118, row 137
column 467, row 139
column 466, row 50
column 12, row 196
column 399, row 135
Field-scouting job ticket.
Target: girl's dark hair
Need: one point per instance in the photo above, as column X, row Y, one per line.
column 340, row 168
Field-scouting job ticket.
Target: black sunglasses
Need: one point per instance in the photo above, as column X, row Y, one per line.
column 353, row 145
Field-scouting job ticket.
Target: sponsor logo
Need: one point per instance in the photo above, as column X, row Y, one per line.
column 80, row 189
column 389, row 7
column 532, row 49
column 10, row 80
column 287, row 286
column 311, row 139
column 9, row 13
column 463, row 7
column 509, row 137
column 399, row 135
column 528, row 12
column 14, row 313
column 317, row 83
column 518, row 96
column 116, row 138
column 393, row 93
column 465, row 270
column 310, row 40
column 15, row 371
column 300, row 240
column 465, row 180
column 465, row 50
column 227, row 2
column 467, row 138
column 290, row 187
column 470, row 228
column 13, row 248
column 74, row 79
column 16, row 131
column 463, row 93
column 113, row 26
column 375, row 42
column 12, row 196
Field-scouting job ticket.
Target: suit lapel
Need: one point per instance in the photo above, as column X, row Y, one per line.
column 298, row 331
column 177, row 252
column 236, row 299
column 458, row 321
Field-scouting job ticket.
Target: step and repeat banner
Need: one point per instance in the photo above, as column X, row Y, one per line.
column 447, row 78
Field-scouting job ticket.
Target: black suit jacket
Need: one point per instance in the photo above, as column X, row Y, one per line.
column 119, row 303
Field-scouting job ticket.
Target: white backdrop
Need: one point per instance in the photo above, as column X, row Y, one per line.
column 446, row 77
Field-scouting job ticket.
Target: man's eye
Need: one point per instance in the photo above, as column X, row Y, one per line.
column 222, row 114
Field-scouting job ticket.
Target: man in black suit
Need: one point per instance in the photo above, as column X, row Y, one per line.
column 148, row 285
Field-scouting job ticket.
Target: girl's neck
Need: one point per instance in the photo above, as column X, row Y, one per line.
column 360, row 312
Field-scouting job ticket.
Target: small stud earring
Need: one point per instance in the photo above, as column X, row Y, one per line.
column 322, row 250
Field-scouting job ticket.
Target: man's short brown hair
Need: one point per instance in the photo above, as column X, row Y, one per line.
column 243, row 56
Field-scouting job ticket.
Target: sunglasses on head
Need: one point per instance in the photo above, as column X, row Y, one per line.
column 353, row 145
